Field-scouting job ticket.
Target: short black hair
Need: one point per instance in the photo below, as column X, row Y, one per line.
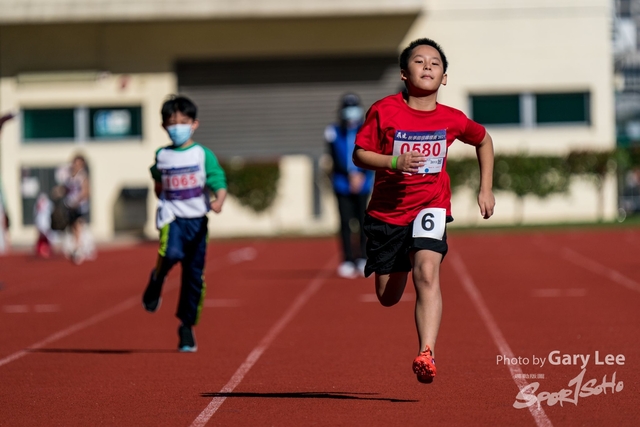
column 350, row 99
column 406, row 53
column 179, row 103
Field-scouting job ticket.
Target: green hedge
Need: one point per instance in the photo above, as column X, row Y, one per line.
column 537, row 175
column 542, row 176
column 523, row 175
column 254, row 184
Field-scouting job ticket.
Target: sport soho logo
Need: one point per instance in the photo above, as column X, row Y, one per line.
column 577, row 387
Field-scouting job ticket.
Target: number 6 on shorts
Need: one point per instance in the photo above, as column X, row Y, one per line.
column 430, row 222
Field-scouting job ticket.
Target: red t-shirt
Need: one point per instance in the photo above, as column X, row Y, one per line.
column 392, row 127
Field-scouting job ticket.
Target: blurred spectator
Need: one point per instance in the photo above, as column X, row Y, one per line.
column 4, row 217
column 351, row 185
column 4, row 224
column 42, row 218
column 631, row 191
column 78, row 244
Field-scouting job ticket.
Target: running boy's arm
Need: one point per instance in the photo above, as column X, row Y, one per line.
column 486, row 200
column 216, row 180
column 221, row 195
column 407, row 162
column 157, row 176
column 366, row 153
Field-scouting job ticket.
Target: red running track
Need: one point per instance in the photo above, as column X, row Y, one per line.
column 285, row 342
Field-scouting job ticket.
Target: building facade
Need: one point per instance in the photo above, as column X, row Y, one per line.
column 90, row 76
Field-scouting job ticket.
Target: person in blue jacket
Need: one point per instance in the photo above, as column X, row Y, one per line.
column 351, row 184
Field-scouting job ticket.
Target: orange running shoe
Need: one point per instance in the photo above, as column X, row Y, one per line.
column 424, row 366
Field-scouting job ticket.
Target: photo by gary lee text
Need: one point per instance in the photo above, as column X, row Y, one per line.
column 556, row 357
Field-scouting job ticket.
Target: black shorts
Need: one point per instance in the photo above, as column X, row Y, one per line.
column 389, row 246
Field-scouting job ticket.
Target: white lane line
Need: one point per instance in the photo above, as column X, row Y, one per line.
column 595, row 267
column 537, row 412
column 73, row 328
column 313, row 287
column 241, row 255
column 131, row 302
column 15, row 308
column 557, row 292
column 38, row 308
column 46, row 308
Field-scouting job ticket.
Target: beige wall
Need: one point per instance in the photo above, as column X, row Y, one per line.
column 291, row 212
column 101, row 64
column 527, row 46
column 493, row 47
column 531, row 46
column 113, row 165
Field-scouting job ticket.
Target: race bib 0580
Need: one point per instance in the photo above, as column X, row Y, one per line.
column 430, row 222
column 432, row 144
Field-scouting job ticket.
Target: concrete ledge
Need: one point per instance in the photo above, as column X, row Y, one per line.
column 54, row 11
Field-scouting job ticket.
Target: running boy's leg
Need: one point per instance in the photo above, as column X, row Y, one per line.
column 388, row 258
column 428, row 312
column 169, row 253
column 192, row 290
column 193, row 287
column 390, row 287
column 426, row 279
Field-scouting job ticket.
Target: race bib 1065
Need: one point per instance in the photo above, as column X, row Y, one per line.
column 432, row 144
column 430, row 222
column 181, row 183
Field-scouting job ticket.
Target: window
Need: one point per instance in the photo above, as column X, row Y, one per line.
column 81, row 124
column 115, row 122
column 52, row 124
column 562, row 108
column 496, row 109
column 532, row 109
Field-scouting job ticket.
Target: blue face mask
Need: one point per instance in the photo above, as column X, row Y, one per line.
column 352, row 114
column 179, row 134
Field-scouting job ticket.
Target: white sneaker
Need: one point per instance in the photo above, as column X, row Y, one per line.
column 78, row 257
column 360, row 264
column 347, row 270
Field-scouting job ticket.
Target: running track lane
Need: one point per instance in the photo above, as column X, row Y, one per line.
column 107, row 339
column 347, row 363
column 567, row 293
column 341, row 361
column 264, row 344
column 470, row 287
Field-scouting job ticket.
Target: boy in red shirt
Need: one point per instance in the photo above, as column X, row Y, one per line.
column 405, row 139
